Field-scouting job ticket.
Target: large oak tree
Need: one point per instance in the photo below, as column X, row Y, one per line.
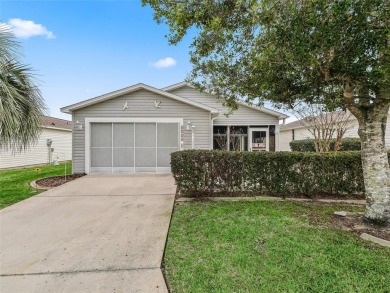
column 335, row 53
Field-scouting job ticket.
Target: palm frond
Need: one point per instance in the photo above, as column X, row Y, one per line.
column 21, row 102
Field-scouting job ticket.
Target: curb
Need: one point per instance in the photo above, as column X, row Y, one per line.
column 376, row 240
column 34, row 184
column 272, row 198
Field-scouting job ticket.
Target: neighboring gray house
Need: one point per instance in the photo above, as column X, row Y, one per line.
column 135, row 129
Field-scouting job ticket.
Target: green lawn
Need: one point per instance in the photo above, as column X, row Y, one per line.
column 269, row 247
column 14, row 183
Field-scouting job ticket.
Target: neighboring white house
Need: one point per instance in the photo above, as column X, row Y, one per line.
column 59, row 131
column 297, row 130
column 135, row 129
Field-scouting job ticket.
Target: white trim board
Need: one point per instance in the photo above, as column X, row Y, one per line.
column 57, row 128
column 90, row 120
column 177, row 86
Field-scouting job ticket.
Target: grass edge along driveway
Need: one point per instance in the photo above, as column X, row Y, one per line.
column 15, row 183
column 269, row 247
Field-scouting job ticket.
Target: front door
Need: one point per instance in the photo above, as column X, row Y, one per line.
column 258, row 139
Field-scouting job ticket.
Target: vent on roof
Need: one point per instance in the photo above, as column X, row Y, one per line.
column 52, row 123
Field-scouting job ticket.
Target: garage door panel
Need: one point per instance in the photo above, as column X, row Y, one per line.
column 145, row 157
column 145, row 134
column 101, row 134
column 123, row 157
column 101, row 157
column 164, row 156
column 167, row 135
column 123, row 135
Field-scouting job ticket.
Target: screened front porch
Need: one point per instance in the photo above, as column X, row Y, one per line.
column 257, row 138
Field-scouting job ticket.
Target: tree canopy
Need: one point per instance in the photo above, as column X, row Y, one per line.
column 318, row 51
column 21, row 103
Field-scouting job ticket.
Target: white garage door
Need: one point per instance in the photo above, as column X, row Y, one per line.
column 133, row 147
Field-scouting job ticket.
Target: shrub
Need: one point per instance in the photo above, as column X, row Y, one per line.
column 350, row 144
column 307, row 145
column 303, row 145
column 212, row 173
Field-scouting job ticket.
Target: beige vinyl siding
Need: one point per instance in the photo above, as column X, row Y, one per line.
column 243, row 116
column 38, row 154
column 285, row 137
column 141, row 105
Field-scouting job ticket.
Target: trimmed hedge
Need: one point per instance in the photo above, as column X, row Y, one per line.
column 307, row 145
column 221, row 173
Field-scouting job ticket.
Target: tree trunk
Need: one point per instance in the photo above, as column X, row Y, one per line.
column 375, row 165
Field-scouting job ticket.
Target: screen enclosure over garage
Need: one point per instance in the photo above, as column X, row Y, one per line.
column 131, row 145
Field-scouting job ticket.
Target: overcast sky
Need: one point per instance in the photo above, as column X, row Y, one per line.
column 82, row 49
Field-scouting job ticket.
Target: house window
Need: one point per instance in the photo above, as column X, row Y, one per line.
column 238, row 138
column 293, row 134
column 233, row 138
column 220, row 141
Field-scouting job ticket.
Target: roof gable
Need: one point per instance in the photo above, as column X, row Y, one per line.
column 241, row 103
column 139, row 86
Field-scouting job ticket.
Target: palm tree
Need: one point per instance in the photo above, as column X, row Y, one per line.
column 21, row 103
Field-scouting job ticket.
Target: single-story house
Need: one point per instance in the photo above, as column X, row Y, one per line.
column 298, row 130
column 135, row 129
column 58, row 131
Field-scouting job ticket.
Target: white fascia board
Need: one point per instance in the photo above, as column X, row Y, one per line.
column 177, row 86
column 57, row 128
column 70, row 108
column 264, row 110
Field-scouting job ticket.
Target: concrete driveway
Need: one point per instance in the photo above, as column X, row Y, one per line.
column 99, row 233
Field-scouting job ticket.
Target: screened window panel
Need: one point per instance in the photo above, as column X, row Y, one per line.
column 164, row 156
column 145, row 135
column 123, row 157
column 123, row 135
column 145, row 157
column 101, row 157
column 167, row 135
column 101, row 134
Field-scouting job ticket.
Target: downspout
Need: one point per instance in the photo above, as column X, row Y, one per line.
column 192, row 137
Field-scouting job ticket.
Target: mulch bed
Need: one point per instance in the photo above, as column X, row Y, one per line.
column 57, row 180
column 353, row 222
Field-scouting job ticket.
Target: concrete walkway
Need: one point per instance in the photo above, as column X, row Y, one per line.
column 99, row 233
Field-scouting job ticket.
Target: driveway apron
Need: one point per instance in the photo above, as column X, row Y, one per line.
column 99, row 233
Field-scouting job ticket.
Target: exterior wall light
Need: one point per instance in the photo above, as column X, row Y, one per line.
column 79, row 126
